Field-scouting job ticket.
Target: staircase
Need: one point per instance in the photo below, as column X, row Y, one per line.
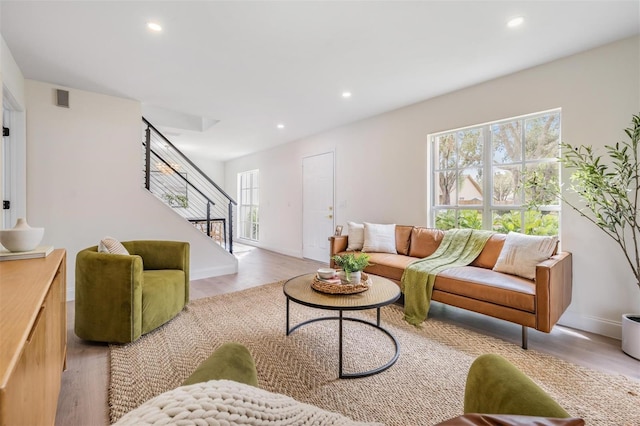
column 182, row 186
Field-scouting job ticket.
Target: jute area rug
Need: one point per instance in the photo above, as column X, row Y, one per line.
column 424, row 387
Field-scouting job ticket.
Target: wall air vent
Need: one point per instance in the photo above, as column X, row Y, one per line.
column 62, row 98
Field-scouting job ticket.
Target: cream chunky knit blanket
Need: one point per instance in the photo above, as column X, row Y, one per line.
column 224, row 402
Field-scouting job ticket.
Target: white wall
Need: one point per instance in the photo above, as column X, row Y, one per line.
column 12, row 78
column 212, row 168
column 84, row 179
column 598, row 92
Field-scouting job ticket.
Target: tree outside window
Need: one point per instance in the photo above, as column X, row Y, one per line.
column 477, row 175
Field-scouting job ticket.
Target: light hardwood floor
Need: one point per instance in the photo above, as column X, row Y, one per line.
column 83, row 398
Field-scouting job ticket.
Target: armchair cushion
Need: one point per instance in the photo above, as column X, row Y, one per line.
column 163, row 297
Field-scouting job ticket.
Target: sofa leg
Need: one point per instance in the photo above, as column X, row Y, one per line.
column 525, row 335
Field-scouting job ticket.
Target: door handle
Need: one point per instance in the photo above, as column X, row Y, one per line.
column 330, row 216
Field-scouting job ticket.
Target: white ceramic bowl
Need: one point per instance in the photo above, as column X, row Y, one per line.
column 326, row 273
column 26, row 239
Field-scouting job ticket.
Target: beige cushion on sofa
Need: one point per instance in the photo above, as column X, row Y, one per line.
column 521, row 253
column 379, row 238
column 356, row 236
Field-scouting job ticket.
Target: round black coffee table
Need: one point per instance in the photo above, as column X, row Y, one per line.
column 382, row 292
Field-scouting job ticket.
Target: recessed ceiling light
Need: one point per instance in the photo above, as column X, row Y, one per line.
column 346, row 95
column 280, row 126
column 154, row 26
column 515, row 22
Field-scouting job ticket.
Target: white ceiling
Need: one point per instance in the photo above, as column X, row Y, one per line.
column 252, row 65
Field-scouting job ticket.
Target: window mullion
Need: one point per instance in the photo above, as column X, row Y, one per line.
column 523, row 168
column 487, row 202
column 431, row 219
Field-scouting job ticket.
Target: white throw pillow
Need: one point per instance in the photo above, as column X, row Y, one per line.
column 111, row 245
column 379, row 238
column 356, row 236
column 521, row 253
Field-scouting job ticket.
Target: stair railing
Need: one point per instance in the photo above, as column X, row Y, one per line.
column 179, row 183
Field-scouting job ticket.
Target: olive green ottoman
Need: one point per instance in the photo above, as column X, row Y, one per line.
column 495, row 386
column 497, row 393
column 231, row 361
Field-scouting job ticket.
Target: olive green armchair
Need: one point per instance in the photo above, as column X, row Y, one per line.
column 121, row 297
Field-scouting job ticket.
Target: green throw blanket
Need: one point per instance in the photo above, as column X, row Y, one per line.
column 459, row 247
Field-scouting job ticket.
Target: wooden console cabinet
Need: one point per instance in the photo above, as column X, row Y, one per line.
column 33, row 338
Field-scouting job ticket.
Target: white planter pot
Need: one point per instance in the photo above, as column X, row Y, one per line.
column 354, row 277
column 631, row 335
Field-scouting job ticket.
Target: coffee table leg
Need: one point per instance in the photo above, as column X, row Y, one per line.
column 288, row 316
column 341, row 318
column 378, row 317
column 340, row 347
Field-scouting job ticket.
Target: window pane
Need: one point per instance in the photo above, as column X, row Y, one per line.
column 507, row 142
column 248, row 215
column 541, row 223
column 470, row 190
column 445, row 219
column 470, row 150
column 446, row 151
column 506, row 187
column 542, row 137
column 471, row 219
column 506, row 220
column 446, row 188
column 547, row 174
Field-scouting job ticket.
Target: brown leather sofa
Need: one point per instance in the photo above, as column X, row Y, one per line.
column 537, row 303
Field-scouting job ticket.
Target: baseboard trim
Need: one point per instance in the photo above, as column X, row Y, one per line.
column 278, row 250
column 597, row 325
column 213, row 272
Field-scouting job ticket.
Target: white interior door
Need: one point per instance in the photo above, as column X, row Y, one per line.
column 317, row 206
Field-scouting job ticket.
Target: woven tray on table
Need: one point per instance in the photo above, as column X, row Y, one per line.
column 330, row 288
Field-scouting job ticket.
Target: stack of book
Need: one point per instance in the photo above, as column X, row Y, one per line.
column 333, row 280
column 40, row 251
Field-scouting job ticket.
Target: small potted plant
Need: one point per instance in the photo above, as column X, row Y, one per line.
column 352, row 266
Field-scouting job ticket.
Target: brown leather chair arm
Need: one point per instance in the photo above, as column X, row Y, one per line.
column 554, row 282
column 337, row 244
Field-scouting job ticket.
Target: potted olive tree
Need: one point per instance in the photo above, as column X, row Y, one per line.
column 352, row 266
column 609, row 190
